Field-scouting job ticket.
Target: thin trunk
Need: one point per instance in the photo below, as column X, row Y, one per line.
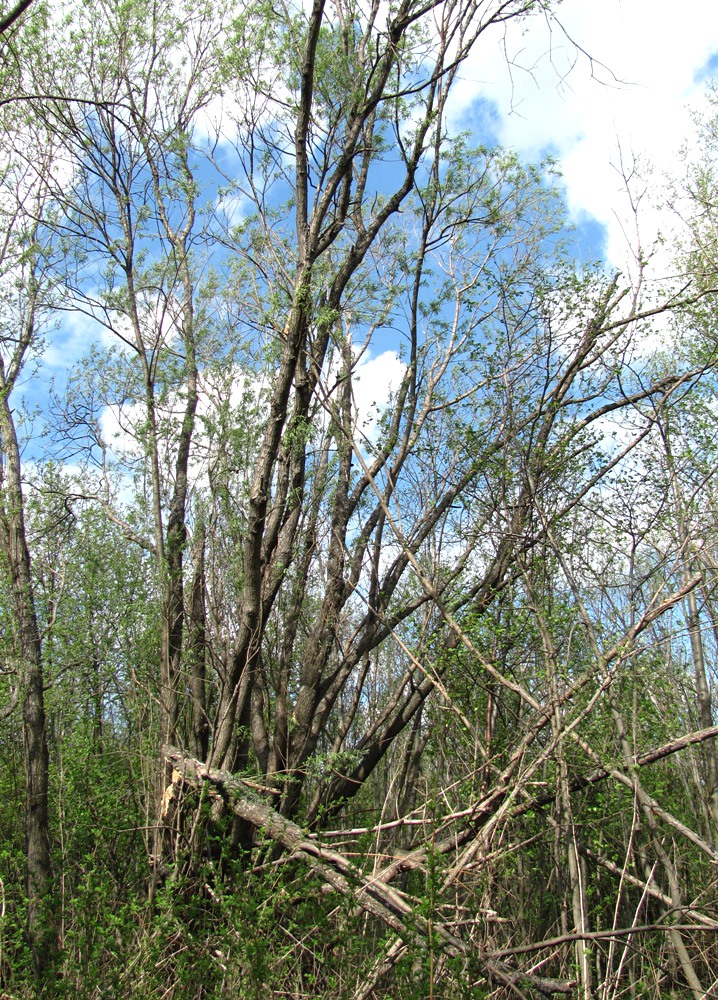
column 40, row 925
column 197, row 652
column 568, row 845
column 656, row 841
column 690, row 562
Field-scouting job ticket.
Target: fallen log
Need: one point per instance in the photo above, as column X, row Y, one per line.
column 377, row 898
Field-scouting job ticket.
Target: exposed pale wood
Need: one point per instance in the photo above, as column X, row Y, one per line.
column 375, row 897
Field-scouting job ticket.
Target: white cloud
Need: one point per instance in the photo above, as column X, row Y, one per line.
column 374, row 381
column 234, row 208
column 119, row 426
column 123, row 427
column 72, row 341
column 628, row 93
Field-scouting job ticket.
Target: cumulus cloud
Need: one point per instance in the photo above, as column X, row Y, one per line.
column 616, row 81
column 375, row 379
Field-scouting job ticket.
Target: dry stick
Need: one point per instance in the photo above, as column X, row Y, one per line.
column 565, row 825
column 382, row 967
column 501, row 800
column 602, row 772
column 502, row 797
column 635, row 821
column 627, row 945
column 616, row 932
column 649, row 807
column 603, row 659
column 612, row 867
column 506, row 799
column 396, row 950
column 332, row 866
column 377, row 898
column 647, row 801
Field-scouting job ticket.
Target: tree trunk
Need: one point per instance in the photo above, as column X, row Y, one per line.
column 28, row 650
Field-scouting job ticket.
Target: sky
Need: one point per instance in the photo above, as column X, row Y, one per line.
column 613, row 80
column 602, row 83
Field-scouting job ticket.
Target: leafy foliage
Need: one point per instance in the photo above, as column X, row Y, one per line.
column 362, row 493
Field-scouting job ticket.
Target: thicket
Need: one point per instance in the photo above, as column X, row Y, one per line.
column 358, row 619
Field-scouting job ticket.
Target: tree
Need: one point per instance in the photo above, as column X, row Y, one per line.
column 402, row 626
column 23, row 292
column 131, row 210
column 8, row 19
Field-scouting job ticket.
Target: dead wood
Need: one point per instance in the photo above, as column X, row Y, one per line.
column 344, row 876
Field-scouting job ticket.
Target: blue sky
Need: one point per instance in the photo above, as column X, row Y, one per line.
column 611, row 81
column 617, row 79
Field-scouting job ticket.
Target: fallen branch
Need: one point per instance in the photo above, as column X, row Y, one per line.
column 646, row 887
column 375, row 897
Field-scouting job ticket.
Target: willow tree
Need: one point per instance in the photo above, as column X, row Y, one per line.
column 349, row 192
column 24, row 293
column 263, row 211
column 124, row 99
column 333, row 126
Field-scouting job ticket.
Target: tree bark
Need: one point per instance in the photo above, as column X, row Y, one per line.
column 377, row 898
column 28, row 649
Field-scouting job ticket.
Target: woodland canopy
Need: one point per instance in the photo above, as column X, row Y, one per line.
column 358, row 565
